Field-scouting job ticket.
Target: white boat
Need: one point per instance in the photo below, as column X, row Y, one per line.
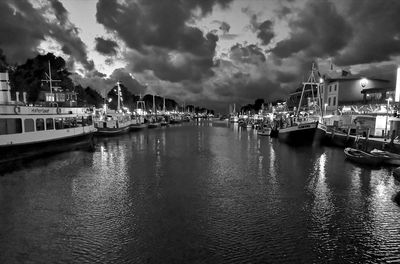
column 32, row 131
column 264, row 131
column 112, row 122
column 390, row 158
column 308, row 129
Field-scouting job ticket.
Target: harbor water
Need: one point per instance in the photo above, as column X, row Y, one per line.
column 206, row 192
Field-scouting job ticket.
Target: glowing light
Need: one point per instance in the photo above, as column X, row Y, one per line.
column 363, row 82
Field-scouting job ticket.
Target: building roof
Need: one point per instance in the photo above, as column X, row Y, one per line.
column 354, row 77
column 377, row 90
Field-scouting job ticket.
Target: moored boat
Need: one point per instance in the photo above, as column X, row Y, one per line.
column 309, row 128
column 390, row 158
column 31, row 131
column 311, row 132
column 265, row 131
column 363, row 157
column 112, row 122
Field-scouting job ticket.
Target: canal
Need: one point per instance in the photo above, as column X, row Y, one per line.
column 203, row 192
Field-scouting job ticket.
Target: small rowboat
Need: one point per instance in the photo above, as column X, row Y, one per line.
column 390, row 158
column 264, row 132
column 363, row 157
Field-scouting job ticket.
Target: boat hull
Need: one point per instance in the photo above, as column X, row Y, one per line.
column 109, row 132
column 20, row 152
column 265, row 132
column 153, row 125
column 303, row 134
column 136, row 127
column 362, row 157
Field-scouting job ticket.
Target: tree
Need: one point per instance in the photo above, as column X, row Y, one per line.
column 28, row 77
column 3, row 62
column 258, row 104
column 93, row 98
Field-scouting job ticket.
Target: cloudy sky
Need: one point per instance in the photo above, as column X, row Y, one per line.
column 207, row 52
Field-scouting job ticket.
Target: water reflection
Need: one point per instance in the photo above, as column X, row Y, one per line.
column 199, row 193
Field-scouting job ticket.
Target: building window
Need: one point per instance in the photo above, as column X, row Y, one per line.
column 329, row 101
column 330, row 88
column 39, row 124
column 49, row 124
column 334, row 101
column 10, row 126
column 29, row 125
column 335, row 87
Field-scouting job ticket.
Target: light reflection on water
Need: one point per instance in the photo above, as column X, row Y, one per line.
column 204, row 192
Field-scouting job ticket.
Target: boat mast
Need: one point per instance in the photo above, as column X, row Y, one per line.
column 50, row 81
column 310, row 81
column 164, row 105
column 119, row 96
column 154, row 106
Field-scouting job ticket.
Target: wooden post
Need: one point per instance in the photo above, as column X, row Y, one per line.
column 367, row 139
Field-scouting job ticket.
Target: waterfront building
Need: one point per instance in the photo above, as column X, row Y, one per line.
column 339, row 92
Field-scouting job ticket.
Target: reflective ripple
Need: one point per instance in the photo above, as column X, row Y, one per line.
column 199, row 193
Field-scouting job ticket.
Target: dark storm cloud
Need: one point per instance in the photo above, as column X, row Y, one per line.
column 159, row 30
column 106, row 46
column 286, row 77
column 265, row 32
column 223, row 30
column 123, row 76
column 318, row 31
column 225, row 27
column 60, row 12
column 27, row 27
column 377, row 38
column 247, row 54
column 23, row 32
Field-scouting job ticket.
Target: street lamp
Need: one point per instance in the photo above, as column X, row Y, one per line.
column 363, row 82
column 387, row 115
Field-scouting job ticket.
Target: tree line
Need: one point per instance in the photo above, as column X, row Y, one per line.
column 28, row 77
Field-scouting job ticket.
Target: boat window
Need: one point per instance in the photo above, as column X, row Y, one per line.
column 79, row 121
column 84, row 120
column 39, row 124
column 10, row 126
column 29, row 125
column 49, row 124
column 67, row 122
column 59, row 123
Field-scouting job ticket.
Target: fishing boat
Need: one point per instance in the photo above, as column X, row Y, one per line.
column 390, row 158
column 234, row 118
column 137, row 118
column 112, row 122
column 363, row 157
column 308, row 128
column 266, row 131
column 31, row 131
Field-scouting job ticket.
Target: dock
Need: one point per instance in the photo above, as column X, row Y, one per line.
column 339, row 139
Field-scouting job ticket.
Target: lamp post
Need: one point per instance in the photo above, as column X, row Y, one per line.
column 325, row 105
column 387, row 115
